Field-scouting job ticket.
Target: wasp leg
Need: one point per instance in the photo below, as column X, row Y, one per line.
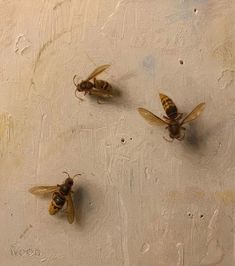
column 99, row 100
column 171, row 140
column 179, row 116
column 181, row 138
column 168, row 140
column 77, row 95
column 95, row 82
column 166, row 127
column 166, row 118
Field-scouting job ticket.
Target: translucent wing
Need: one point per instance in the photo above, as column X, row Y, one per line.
column 43, row 190
column 70, row 209
column 194, row 114
column 151, row 118
column 97, row 71
column 101, row 93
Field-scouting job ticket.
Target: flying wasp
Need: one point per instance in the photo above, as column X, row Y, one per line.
column 60, row 195
column 98, row 87
column 173, row 119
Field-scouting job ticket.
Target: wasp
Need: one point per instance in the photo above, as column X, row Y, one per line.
column 60, row 195
column 93, row 86
column 173, row 119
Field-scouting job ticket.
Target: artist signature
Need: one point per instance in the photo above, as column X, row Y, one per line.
column 17, row 251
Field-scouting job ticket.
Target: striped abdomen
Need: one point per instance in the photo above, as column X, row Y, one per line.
column 101, row 84
column 169, row 106
column 57, row 203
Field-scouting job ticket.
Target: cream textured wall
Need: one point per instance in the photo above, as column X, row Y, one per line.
column 141, row 202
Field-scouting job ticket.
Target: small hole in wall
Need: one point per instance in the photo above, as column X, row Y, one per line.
column 181, row 61
column 130, row 138
column 122, row 140
column 201, row 216
column 195, row 10
column 190, row 215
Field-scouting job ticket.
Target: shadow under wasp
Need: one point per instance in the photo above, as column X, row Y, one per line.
column 60, row 195
column 98, row 87
column 172, row 121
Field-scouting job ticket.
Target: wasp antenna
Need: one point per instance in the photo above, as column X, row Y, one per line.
column 64, row 172
column 76, row 175
column 74, row 77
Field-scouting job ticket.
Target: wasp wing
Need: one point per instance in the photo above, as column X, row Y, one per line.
column 70, row 208
column 101, row 93
column 43, row 190
column 194, row 114
column 151, row 118
column 97, row 71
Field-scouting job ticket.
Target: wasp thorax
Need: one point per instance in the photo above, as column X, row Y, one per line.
column 174, row 130
column 64, row 189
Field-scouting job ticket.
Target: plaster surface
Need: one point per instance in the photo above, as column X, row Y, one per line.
column 140, row 201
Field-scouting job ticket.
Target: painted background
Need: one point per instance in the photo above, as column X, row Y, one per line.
column 140, row 201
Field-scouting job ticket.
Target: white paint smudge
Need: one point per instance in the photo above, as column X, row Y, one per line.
column 215, row 253
column 146, row 172
column 180, row 248
column 212, row 226
column 124, row 225
column 84, row 25
column 145, row 248
column 21, row 44
column 43, row 118
column 116, row 9
column 226, row 78
column 233, row 237
column 6, row 131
